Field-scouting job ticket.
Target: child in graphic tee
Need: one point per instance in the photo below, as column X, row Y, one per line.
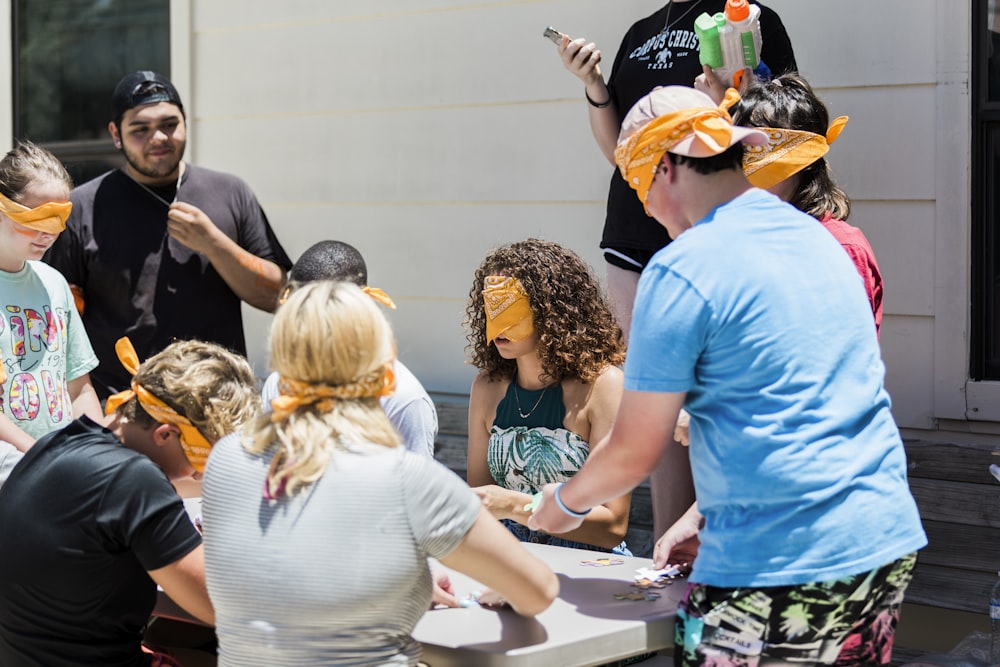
column 46, row 355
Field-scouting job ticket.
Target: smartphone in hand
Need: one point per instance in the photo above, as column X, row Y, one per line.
column 553, row 35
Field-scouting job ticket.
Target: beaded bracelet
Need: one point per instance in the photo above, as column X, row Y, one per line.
column 595, row 104
column 566, row 510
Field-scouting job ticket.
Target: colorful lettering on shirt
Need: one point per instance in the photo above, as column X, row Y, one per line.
column 34, row 365
column 56, row 394
column 16, row 332
column 42, row 330
column 24, row 399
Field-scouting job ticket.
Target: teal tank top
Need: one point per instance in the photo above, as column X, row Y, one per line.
column 544, row 407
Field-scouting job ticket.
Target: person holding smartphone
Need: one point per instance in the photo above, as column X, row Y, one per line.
column 659, row 50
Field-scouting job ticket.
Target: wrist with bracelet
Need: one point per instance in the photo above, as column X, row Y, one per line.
column 597, row 105
column 562, row 506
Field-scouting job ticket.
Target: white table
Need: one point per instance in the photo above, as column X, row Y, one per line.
column 585, row 625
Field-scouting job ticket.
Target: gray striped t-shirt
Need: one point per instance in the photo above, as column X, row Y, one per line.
column 336, row 574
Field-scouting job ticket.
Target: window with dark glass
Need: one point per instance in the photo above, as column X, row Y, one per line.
column 68, row 56
column 985, row 81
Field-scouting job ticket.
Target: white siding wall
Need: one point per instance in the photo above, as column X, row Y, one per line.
column 423, row 132
column 427, row 131
column 900, row 70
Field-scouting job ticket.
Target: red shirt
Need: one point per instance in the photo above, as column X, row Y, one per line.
column 854, row 242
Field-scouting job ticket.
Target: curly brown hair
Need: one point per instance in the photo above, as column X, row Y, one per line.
column 577, row 334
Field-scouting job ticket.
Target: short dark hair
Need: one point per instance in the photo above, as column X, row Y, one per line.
column 731, row 158
column 330, row 260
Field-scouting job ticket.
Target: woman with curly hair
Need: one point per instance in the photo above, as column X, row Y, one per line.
column 547, row 349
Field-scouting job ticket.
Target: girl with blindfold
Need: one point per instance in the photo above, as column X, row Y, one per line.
column 793, row 167
column 46, row 355
column 547, row 348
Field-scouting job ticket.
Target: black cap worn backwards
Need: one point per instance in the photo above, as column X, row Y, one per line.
column 142, row 87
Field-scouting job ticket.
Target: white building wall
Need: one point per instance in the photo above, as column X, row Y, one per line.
column 427, row 131
column 423, row 132
column 900, row 70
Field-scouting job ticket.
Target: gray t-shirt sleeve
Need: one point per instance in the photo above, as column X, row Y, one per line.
column 440, row 505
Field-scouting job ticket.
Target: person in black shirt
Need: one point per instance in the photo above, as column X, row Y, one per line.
column 162, row 250
column 94, row 525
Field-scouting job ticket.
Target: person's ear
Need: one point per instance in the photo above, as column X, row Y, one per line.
column 665, row 169
column 164, row 434
column 113, row 130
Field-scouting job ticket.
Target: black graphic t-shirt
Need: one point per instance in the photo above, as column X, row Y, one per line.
column 650, row 56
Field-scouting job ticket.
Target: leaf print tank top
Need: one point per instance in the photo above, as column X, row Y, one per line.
column 526, row 453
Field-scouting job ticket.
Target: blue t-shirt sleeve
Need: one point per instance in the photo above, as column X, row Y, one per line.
column 670, row 325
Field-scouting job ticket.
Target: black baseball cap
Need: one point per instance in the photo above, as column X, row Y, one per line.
column 142, row 87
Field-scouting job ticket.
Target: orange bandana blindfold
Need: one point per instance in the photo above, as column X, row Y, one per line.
column 787, row 153
column 49, row 217
column 508, row 310
column 196, row 446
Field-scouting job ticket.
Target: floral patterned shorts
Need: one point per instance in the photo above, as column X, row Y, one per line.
column 841, row 622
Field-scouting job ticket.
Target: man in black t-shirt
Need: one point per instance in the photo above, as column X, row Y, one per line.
column 161, row 250
column 90, row 524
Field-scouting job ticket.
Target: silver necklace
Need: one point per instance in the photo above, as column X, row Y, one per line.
column 177, row 189
column 535, row 406
column 670, row 5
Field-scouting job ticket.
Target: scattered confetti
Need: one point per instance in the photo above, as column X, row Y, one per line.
column 470, row 600
column 476, row 599
column 603, row 562
column 646, row 577
column 650, row 573
column 648, row 596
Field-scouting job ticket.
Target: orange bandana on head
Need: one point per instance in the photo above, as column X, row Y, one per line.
column 508, row 310
column 379, row 296
column 639, row 155
column 787, row 153
column 295, row 393
column 373, row 292
column 50, row 217
column 196, row 446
